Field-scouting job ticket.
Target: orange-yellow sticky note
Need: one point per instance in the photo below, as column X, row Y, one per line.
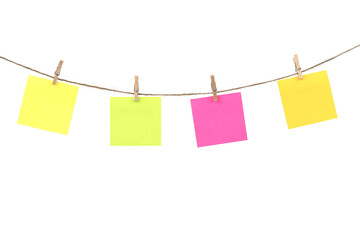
column 308, row 100
column 46, row 106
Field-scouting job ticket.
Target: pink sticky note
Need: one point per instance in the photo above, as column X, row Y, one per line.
column 219, row 122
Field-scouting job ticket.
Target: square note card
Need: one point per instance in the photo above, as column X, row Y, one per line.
column 47, row 106
column 135, row 123
column 308, row 100
column 220, row 121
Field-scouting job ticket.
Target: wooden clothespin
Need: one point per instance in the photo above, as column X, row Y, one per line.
column 57, row 72
column 297, row 66
column 213, row 87
column 136, row 88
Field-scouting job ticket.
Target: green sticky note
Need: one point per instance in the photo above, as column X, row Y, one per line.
column 135, row 123
column 47, row 106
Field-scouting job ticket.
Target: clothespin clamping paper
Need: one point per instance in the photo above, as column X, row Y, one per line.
column 57, row 72
column 213, row 88
column 297, row 66
column 136, row 88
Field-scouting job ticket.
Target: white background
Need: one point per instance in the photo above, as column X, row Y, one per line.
column 280, row 184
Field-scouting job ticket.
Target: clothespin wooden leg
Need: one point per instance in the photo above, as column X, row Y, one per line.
column 297, row 66
column 213, row 87
column 57, row 72
column 136, row 88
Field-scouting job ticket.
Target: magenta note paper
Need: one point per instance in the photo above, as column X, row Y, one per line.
column 219, row 122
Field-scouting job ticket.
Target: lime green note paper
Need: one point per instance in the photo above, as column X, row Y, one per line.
column 47, row 106
column 135, row 123
column 308, row 100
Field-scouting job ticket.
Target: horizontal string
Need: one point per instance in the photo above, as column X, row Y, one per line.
column 179, row 94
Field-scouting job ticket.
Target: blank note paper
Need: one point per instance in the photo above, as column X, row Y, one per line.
column 218, row 122
column 308, row 100
column 135, row 123
column 47, row 106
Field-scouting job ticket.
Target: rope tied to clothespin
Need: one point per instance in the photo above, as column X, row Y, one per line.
column 297, row 66
column 57, row 72
column 188, row 93
column 213, row 88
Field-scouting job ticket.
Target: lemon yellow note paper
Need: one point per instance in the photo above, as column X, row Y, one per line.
column 308, row 100
column 135, row 123
column 47, row 106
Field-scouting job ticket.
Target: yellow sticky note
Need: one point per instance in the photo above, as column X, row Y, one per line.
column 135, row 123
column 47, row 106
column 308, row 100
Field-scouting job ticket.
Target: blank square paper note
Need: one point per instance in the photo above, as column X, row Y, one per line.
column 47, row 106
column 220, row 121
column 308, row 100
column 135, row 123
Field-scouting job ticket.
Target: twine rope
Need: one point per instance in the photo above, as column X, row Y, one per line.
column 178, row 94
